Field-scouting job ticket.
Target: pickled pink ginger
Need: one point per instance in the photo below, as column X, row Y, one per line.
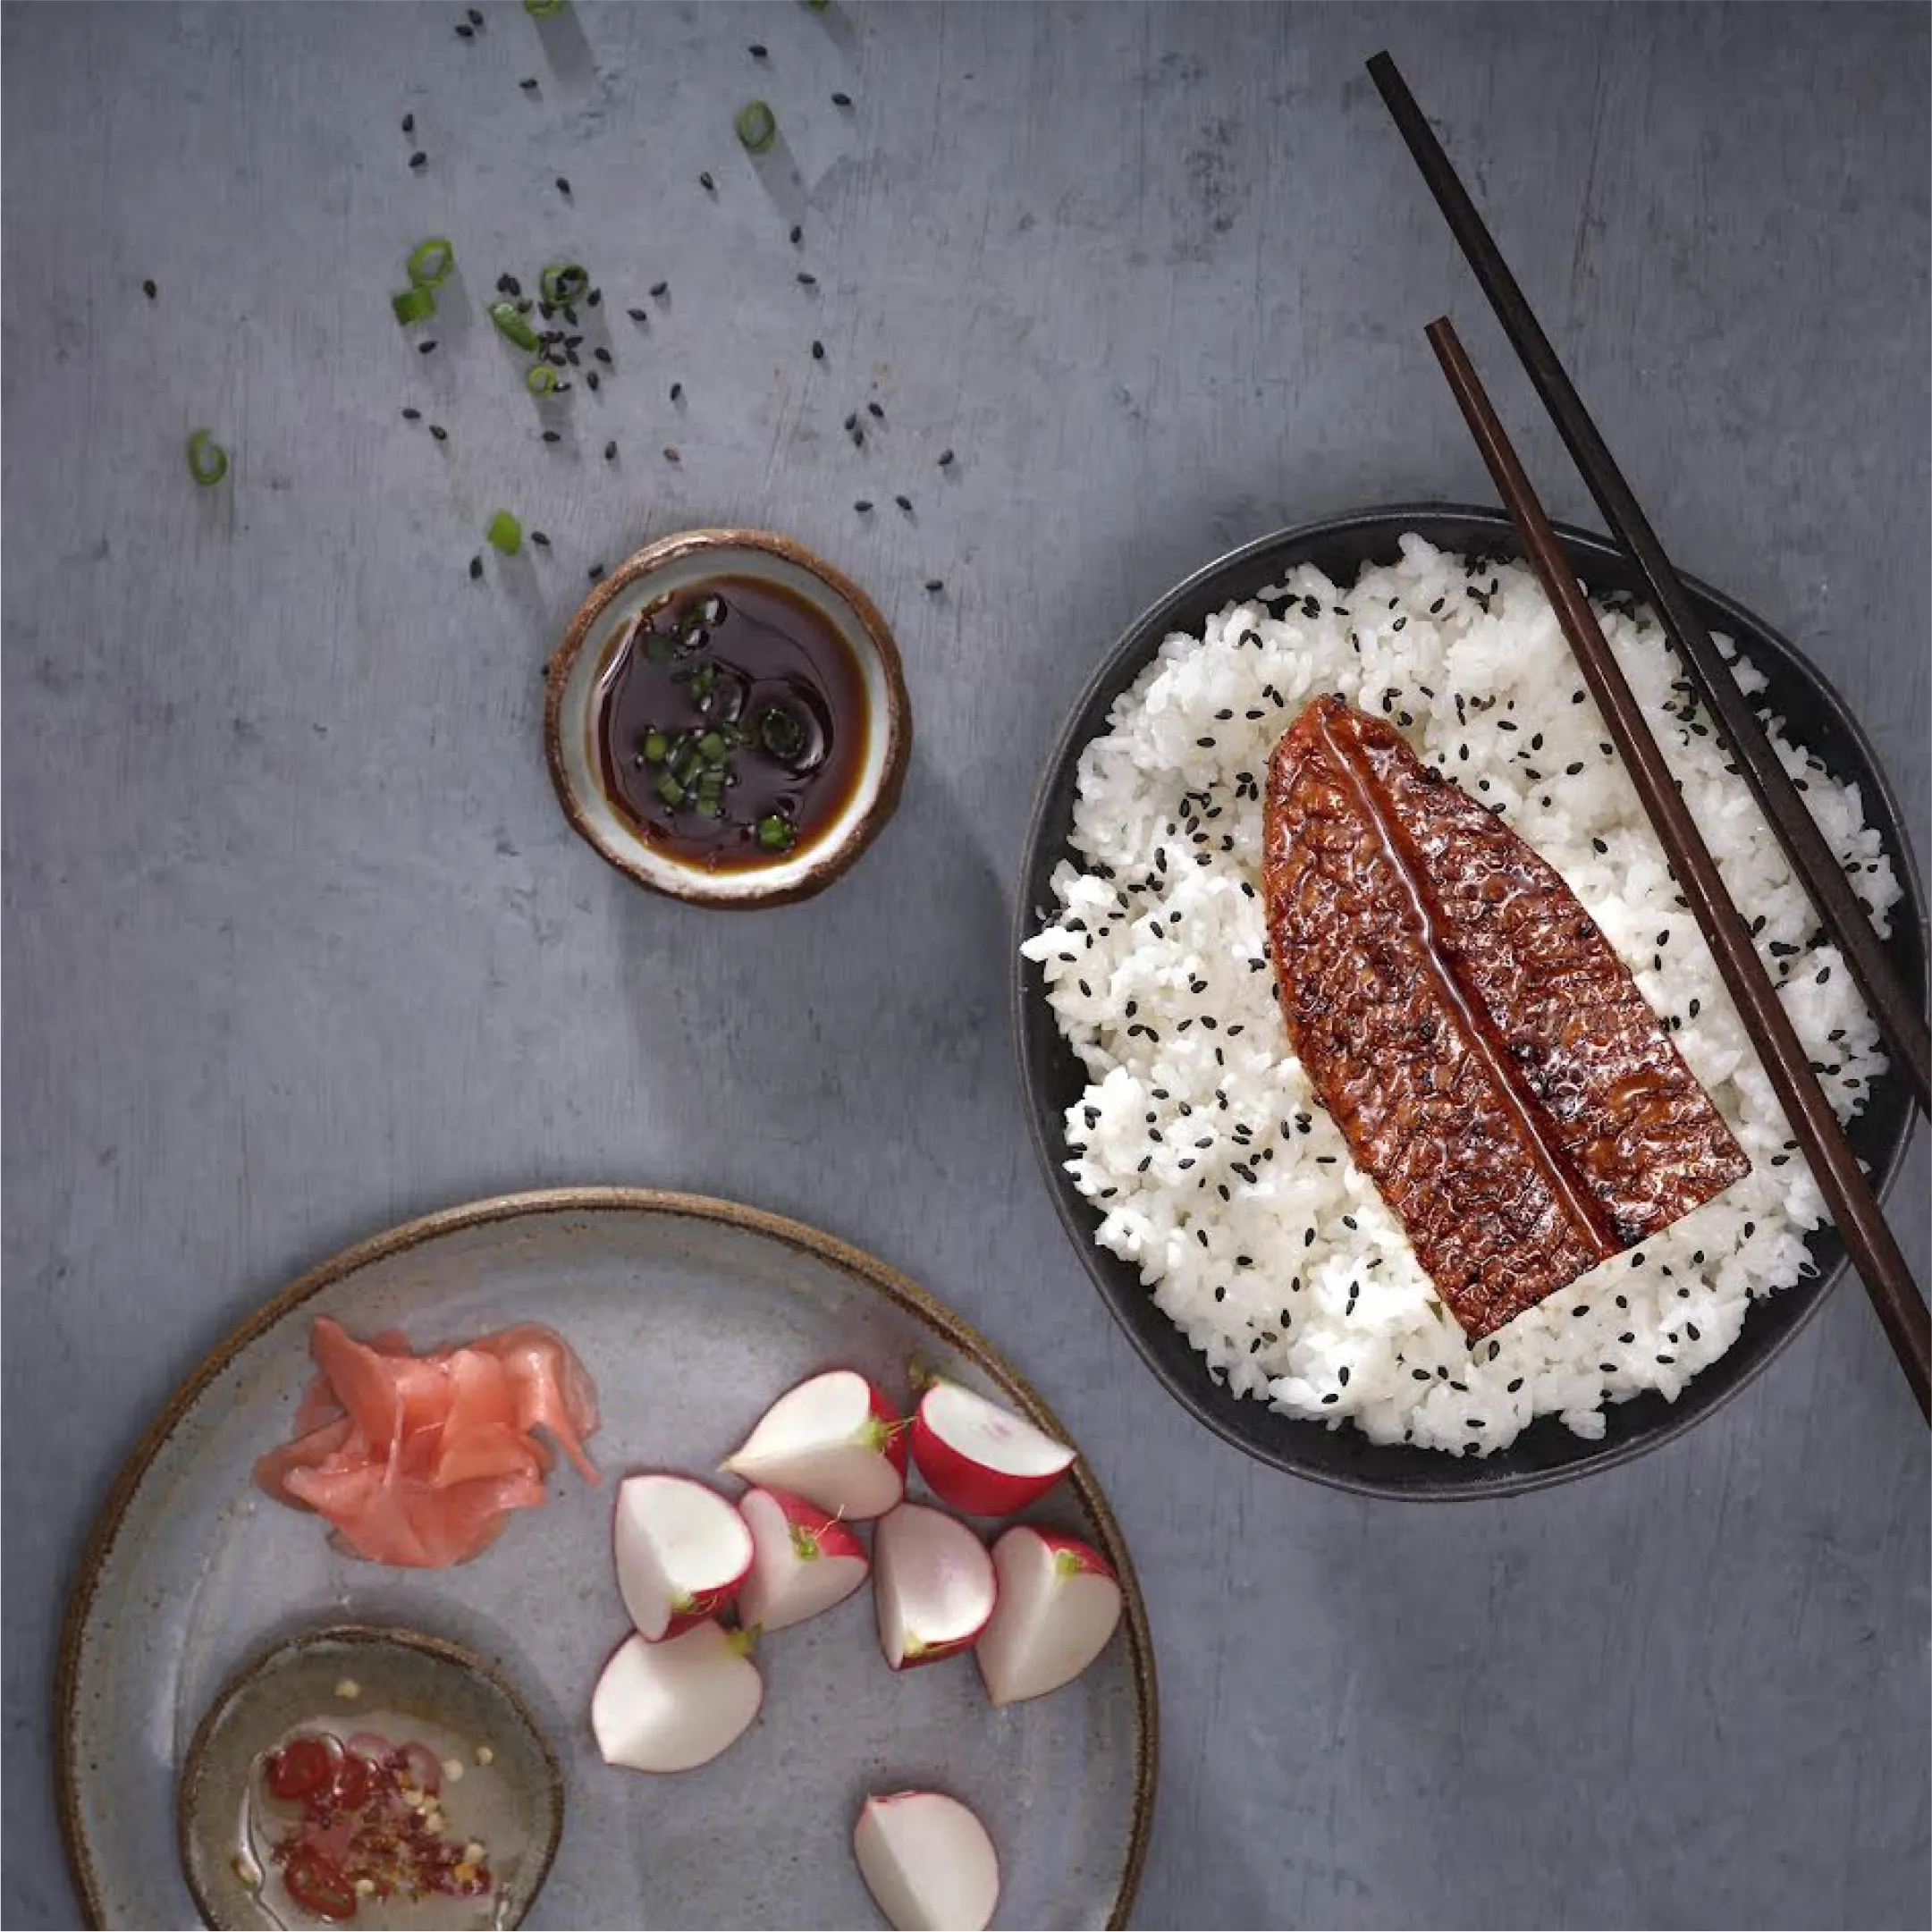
column 418, row 1460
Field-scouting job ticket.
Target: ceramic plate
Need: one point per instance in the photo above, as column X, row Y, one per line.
column 1546, row 1452
column 691, row 1314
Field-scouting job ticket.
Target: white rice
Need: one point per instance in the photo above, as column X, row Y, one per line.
column 1199, row 1137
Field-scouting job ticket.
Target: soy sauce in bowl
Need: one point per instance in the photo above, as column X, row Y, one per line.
column 730, row 724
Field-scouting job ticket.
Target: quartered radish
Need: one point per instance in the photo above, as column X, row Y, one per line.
column 835, row 1440
column 981, row 1458
column 933, row 1583
column 673, row 1706
column 927, row 1862
column 1058, row 1604
column 803, row 1560
column 682, row 1551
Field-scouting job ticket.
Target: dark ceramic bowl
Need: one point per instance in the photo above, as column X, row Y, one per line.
column 1547, row 1451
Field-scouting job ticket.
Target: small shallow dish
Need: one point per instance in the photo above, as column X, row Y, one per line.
column 347, row 1673
column 574, row 675
column 1547, row 1451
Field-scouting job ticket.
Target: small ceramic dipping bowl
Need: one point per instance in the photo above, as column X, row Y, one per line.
column 353, row 1686
column 579, row 676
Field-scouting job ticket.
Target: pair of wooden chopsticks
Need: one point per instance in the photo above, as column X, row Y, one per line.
column 1901, row 1310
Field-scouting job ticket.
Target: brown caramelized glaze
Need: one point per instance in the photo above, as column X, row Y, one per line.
column 1488, row 1058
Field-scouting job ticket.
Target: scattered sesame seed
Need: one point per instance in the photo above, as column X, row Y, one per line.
column 424, row 348
column 707, row 183
column 671, row 453
column 797, row 235
column 439, row 432
column 842, row 100
column 418, row 159
column 863, row 505
column 609, row 450
column 412, row 415
column 637, row 314
column 541, row 543
column 408, row 123
column 553, row 435
column 528, row 84
column 597, row 570
column 935, row 584
column 818, row 349
column 149, row 290
column 564, row 185
column 476, row 568
column 677, row 390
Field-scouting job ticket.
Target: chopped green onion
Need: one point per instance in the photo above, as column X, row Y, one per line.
column 702, row 681
column 543, row 10
column 511, row 326
column 757, row 127
column 712, row 749
column 688, row 765
column 670, row 790
column 430, row 263
column 505, row 533
column 781, row 732
column 540, row 378
column 413, row 305
column 775, row 835
column 656, row 744
column 208, row 460
column 562, row 283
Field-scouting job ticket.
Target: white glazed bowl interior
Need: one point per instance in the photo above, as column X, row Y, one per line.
column 578, row 738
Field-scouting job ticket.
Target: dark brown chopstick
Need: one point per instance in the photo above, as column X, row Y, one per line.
column 1849, row 1196
column 1899, row 1016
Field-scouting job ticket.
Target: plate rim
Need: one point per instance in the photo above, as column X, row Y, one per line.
column 1397, row 518
column 898, row 1288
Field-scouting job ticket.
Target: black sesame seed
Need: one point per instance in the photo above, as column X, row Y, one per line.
column 863, row 505
column 594, row 299
column 945, row 459
column 412, row 415
column 597, row 570
column 797, row 235
column 551, row 435
column 610, row 449
column 671, row 453
column 539, row 539
column 465, row 31
column 602, row 354
column 677, row 390
column 476, row 568
column 707, row 183
column 875, row 410
column 418, row 159
column 842, row 100
column 528, row 83
column 149, row 290
column 806, row 279
column 905, row 503
column 425, row 349
column 439, row 432
column 590, row 376
column 564, row 185
column 818, row 349
column 408, row 123
column 757, row 51
column 935, row 584
column 659, row 290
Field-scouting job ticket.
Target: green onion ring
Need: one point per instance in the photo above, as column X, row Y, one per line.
column 757, row 127
column 413, row 305
column 540, row 378
column 208, row 460
column 562, row 283
column 542, row 10
column 505, row 533
column 430, row 263
column 511, row 326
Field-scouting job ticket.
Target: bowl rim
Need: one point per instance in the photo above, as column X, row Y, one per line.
column 387, row 1636
column 833, row 861
column 1459, row 1478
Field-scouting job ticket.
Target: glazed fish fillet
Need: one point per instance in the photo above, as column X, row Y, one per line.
column 1489, row 1059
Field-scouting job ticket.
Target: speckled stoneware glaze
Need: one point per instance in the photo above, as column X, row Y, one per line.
column 576, row 674
column 345, row 1672
column 692, row 1315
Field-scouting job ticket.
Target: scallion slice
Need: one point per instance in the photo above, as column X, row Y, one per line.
column 431, row 262
column 511, row 326
column 670, row 790
column 505, row 533
column 208, row 460
column 542, row 10
column 413, row 305
column 562, row 283
column 540, row 378
column 775, row 834
column 757, row 127
column 656, row 744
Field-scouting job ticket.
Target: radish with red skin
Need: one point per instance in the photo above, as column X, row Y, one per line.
column 980, row 1458
column 802, row 1562
column 927, row 1862
column 682, row 1551
column 1059, row 1605
column 835, row 1440
column 674, row 1705
column 932, row 1585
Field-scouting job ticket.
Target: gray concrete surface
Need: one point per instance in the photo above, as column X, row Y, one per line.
column 296, row 942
